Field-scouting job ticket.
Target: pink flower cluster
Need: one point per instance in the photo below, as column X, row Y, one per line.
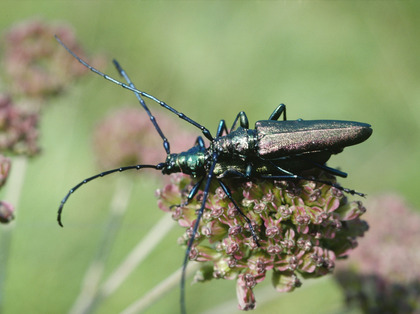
column 36, row 65
column 18, row 129
column 36, row 68
column 302, row 226
column 127, row 137
column 383, row 275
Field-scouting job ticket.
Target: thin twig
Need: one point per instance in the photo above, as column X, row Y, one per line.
column 132, row 261
column 137, row 255
column 159, row 290
column 89, row 289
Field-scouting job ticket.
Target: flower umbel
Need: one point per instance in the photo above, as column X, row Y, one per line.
column 302, row 226
column 383, row 275
column 36, row 65
column 127, row 137
column 18, row 128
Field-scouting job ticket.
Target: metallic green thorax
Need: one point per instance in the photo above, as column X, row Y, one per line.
column 192, row 162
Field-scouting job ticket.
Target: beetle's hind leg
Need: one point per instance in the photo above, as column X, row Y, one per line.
column 298, row 177
column 330, row 170
column 287, row 175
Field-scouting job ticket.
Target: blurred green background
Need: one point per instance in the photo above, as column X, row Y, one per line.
column 325, row 60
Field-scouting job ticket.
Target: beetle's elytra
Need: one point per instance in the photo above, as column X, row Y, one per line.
column 278, row 150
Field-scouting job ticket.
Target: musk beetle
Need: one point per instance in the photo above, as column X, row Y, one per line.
column 276, row 150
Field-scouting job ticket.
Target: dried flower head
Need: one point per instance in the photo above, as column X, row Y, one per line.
column 36, row 64
column 383, row 275
column 128, row 137
column 302, row 226
column 18, row 128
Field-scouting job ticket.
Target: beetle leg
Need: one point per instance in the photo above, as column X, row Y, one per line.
column 281, row 109
column 297, row 177
column 243, row 121
column 195, row 229
column 200, row 142
column 289, row 175
column 279, row 168
column 191, row 195
column 232, row 174
column 248, row 221
column 330, row 170
column 221, row 128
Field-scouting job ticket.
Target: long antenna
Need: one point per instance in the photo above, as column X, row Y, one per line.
column 152, row 118
column 100, row 175
column 203, row 129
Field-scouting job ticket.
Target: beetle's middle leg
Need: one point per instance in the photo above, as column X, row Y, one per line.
column 281, row 109
column 243, row 121
column 248, row 221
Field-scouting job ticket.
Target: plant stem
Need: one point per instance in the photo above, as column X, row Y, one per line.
column 118, row 206
column 137, row 255
column 90, row 295
column 159, row 290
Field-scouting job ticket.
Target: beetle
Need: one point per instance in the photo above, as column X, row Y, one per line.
column 276, row 150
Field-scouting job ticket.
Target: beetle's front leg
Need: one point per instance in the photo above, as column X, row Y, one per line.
column 221, row 128
column 200, row 142
column 190, row 196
